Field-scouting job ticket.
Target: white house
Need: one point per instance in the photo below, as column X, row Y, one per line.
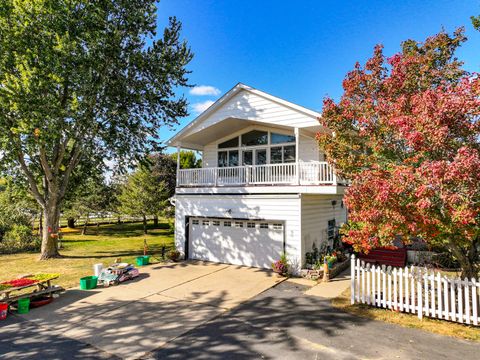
column 264, row 188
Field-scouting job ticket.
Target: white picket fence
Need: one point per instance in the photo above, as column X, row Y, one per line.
column 415, row 290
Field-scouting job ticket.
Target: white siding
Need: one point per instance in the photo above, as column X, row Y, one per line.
column 210, row 155
column 316, row 211
column 279, row 207
column 309, row 150
column 246, row 105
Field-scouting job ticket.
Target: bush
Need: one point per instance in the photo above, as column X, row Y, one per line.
column 174, row 255
column 19, row 238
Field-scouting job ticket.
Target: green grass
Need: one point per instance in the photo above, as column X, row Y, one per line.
column 81, row 252
column 441, row 327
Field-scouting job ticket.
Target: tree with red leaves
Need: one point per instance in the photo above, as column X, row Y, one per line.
column 406, row 133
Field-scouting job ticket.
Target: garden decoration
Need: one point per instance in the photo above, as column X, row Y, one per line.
column 326, row 275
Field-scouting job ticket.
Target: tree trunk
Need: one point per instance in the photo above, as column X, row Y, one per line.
column 50, row 233
column 98, row 227
column 84, row 230
column 71, row 223
column 144, row 224
column 40, row 225
column 155, row 221
column 467, row 258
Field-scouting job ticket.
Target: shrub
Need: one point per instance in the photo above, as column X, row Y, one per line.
column 174, row 255
column 19, row 238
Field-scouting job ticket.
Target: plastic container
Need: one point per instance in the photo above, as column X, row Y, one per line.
column 143, row 260
column 23, row 306
column 3, row 311
column 97, row 269
column 88, row 282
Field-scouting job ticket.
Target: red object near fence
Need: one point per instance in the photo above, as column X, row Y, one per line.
column 386, row 256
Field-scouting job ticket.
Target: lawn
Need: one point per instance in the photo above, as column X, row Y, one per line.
column 441, row 327
column 81, row 252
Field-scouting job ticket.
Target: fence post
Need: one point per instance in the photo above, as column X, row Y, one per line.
column 352, row 279
column 452, row 299
column 395, row 290
column 467, row 300
column 389, row 287
column 458, row 282
column 425, row 288
column 433, row 309
column 400, row 279
column 474, row 302
column 357, row 283
column 363, row 282
column 439, row 296
column 445, row 298
column 368, row 283
column 407, row 294
column 419, row 297
column 374, row 286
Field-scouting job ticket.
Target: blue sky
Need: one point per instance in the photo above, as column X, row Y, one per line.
column 301, row 50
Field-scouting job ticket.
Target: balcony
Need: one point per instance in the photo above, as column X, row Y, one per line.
column 301, row 173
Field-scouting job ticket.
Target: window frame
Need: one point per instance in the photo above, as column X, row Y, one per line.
column 268, row 146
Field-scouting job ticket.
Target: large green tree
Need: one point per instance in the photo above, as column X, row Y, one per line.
column 83, row 79
column 147, row 190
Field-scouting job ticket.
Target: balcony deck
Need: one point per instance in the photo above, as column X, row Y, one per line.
column 287, row 174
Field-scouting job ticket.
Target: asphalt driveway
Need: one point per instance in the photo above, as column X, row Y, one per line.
column 138, row 316
column 285, row 323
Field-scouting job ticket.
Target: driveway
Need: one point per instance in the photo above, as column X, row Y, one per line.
column 286, row 323
column 212, row 311
column 135, row 317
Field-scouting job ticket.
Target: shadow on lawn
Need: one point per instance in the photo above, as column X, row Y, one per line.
column 154, row 251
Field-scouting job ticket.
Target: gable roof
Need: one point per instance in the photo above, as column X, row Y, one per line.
column 222, row 101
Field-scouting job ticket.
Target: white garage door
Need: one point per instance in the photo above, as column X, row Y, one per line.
column 249, row 243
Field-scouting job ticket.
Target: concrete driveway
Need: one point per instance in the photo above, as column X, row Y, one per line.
column 136, row 317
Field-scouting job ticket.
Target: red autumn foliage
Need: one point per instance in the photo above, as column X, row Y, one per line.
column 406, row 132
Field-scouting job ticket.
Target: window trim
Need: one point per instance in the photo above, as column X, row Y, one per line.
column 240, row 148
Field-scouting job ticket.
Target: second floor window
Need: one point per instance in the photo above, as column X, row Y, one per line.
column 228, row 158
column 247, row 149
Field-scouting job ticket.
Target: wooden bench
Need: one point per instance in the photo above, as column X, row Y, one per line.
column 42, row 287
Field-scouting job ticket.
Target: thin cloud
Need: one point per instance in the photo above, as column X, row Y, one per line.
column 204, row 90
column 202, row 106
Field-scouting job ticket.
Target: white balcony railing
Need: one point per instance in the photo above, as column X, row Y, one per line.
column 302, row 173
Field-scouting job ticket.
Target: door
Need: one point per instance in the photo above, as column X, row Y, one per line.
column 239, row 242
column 260, row 156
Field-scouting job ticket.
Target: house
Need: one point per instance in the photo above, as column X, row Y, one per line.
column 264, row 188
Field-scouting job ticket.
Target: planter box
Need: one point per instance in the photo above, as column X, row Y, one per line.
column 419, row 256
column 318, row 274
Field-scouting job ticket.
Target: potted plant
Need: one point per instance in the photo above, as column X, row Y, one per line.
column 281, row 266
column 331, row 260
column 174, row 255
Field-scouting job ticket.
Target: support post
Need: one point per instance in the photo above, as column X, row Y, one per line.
column 178, row 162
column 352, row 279
column 297, row 158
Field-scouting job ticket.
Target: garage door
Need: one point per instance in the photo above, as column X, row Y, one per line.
column 239, row 242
